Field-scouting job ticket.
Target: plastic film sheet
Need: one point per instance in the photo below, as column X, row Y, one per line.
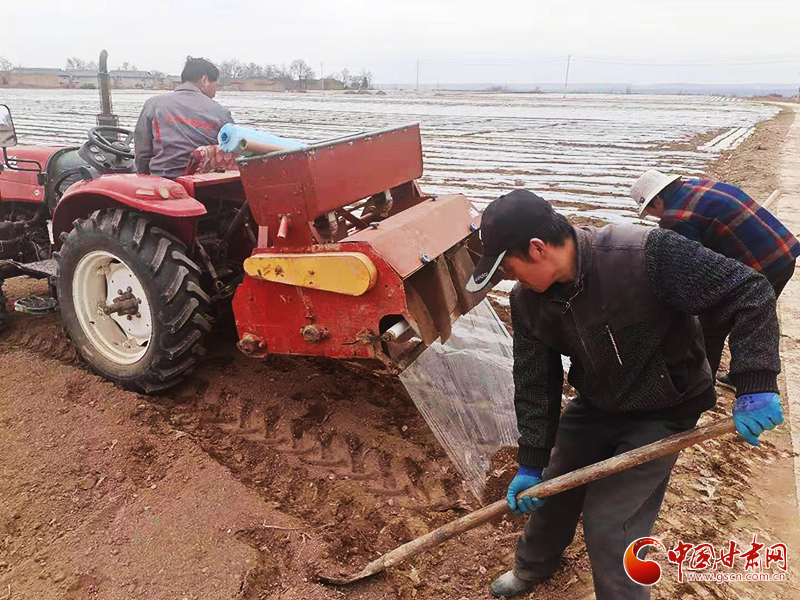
column 465, row 391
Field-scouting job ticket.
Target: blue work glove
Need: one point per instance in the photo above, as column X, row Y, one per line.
column 527, row 477
column 753, row 414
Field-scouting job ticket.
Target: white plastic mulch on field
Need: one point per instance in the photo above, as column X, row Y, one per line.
column 585, row 150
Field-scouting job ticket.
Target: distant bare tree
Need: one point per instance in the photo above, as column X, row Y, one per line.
column 227, row 69
column 344, row 77
column 5, row 64
column 253, row 70
column 300, row 70
column 281, row 72
column 364, row 79
column 273, row 72
column 126, row 66
column 361, row 81
column 78, row 64
column 235, row 69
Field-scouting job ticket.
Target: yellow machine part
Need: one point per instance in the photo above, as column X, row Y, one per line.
column 349, row 273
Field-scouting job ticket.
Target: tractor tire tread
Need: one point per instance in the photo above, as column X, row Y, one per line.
column 103, row 219
column 167, row 374
column 161, row 253
column 151, row 388
column 183, row 316
column 175, row 285
column 116, row 219
column 138, row 232
column 184, row 345
column 197, row 291
column 5, row 315
column 201, row 322
column 183, row 259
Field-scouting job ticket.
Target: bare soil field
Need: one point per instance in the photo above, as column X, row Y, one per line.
column 251, row 478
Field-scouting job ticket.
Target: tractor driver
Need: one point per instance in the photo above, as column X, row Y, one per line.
column 172, row 125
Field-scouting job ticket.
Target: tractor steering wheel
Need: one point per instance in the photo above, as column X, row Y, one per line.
column 119, row 149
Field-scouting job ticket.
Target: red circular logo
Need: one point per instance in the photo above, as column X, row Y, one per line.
column 643, row 572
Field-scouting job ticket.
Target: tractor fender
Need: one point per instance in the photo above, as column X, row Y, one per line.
column 165, row 202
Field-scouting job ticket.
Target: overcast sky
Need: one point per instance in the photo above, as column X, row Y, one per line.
column 469, row 41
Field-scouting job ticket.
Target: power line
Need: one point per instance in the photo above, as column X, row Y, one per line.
column 685, row 64
column 445, row 62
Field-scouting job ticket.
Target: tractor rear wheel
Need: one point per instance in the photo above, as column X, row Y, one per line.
column 4, row 314
column 131, row 300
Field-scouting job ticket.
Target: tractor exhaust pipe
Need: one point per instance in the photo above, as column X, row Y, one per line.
column 106, row 117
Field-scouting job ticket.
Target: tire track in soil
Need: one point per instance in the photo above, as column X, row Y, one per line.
column 43, row 335
column 337, row 446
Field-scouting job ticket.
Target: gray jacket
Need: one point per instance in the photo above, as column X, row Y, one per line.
column 172, row 125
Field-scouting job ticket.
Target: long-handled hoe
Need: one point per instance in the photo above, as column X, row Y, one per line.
column 599, row 470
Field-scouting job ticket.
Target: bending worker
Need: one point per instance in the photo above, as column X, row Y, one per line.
column 620, row 302
column 172, row 125
column 726, row 220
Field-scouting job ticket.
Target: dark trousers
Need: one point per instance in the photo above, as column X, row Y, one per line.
column 616, row 510
column 715, row 335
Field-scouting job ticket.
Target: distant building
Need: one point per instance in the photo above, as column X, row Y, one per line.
column 145, row 80
column 132, row 80
column 83, row 79
column 266, row 84
column 259, row 84
column 116, row 79
column 35, row 78
column 330, row 84
column 80, row 79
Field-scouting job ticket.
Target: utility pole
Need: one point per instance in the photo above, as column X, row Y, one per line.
column 417, row 75
column 322, row 76
column 566, row 79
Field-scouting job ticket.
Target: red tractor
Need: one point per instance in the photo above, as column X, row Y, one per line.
column 330, row 250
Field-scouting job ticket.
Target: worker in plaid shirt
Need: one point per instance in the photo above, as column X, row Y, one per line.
column 723, row 218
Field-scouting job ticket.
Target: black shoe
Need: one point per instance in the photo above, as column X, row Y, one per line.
column 725, row 381
column 508, row 585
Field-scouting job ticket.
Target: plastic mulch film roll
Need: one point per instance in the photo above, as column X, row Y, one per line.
column 246, row 140
column 465, row 391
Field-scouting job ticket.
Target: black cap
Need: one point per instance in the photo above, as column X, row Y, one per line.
column 508, row 222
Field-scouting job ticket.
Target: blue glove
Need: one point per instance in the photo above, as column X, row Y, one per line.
column 753, row 414
column 527, row 477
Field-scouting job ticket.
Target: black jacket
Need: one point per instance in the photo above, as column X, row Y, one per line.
column 627, row 325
